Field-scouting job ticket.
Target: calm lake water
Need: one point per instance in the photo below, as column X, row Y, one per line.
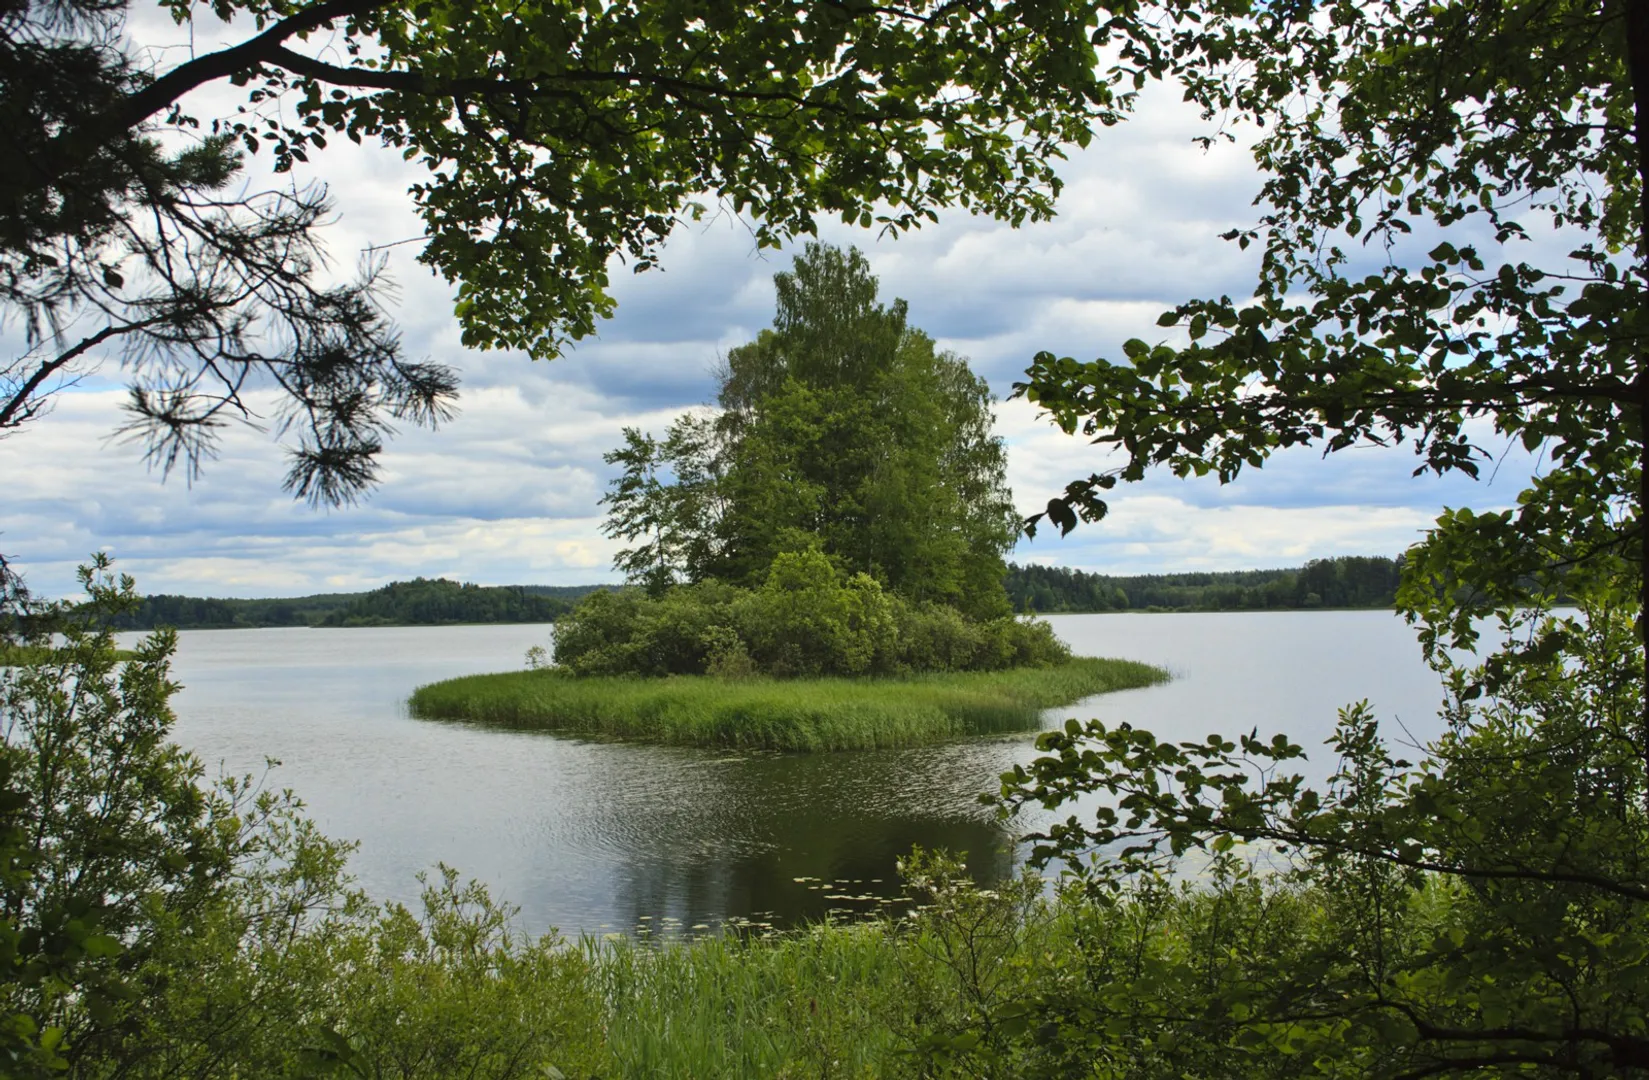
column 591, row 837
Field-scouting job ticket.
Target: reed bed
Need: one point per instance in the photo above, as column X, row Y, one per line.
column 779, row 714
column 829, row 1000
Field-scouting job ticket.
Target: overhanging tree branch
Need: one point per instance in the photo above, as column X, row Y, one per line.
column 20, row 405
column 225, row 63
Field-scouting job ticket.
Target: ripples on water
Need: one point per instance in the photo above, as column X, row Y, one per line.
column 590, row 837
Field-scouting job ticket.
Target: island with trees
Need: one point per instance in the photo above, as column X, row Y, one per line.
column 817, row 561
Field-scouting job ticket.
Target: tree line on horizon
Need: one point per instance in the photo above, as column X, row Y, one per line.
column 1348, row 581
column 419, row 602
column 1343, row 582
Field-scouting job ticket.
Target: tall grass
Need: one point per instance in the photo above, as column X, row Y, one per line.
column 822, row 1001
column 779, row 714
column 840, row 999
column 990, row 984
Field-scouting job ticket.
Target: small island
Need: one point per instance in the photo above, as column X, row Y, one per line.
column 816, row 563
column 809, row 661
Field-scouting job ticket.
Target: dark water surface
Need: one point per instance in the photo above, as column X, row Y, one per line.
column 590, row 837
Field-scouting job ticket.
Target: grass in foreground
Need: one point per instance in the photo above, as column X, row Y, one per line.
column 779, row 714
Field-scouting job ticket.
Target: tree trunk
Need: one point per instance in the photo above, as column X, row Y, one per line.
column 1637, row 61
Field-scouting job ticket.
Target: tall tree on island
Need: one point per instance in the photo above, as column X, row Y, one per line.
column 841, row 427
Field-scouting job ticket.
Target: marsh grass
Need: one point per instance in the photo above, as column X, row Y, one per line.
column 853, row 998
column 978, row 983
column 805, row 1003
column 778, row 714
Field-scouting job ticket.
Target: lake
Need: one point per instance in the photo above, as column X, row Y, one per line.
column 592, row 837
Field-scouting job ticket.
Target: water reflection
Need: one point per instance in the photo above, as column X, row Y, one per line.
column 699, row 838
column 588, row 836
column 816, row 866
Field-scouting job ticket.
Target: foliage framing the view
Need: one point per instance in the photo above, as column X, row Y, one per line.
column 1421, row 164
column 557, row 138
column 1414, row 162
column 1478, row 913
column 119, row 867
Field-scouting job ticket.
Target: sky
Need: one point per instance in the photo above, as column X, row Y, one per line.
column 508, row 492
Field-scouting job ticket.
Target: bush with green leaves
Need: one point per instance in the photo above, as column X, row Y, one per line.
column 123, row 877
column 806, row 619
column 624, row 631
column 156, row 925
column 1484, row 909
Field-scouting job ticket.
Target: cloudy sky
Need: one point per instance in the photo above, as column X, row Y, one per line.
column 507, row 493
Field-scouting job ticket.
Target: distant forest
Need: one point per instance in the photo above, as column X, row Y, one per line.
column 1350, row 582
column 1346, row 582
column 420, row 602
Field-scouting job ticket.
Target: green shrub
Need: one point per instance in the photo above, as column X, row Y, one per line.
column 807, row 619
column 726, row 655
column 933, row 637
column 141, row 911
column 448, row 989
column 628, row 633
column 600, row 635
column 679, row 630
column 1015, row 642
